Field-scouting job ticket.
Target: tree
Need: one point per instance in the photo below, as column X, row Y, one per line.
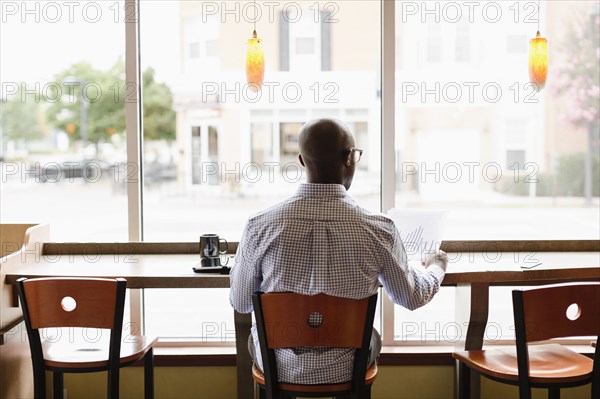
column 22, row 118
column 102, row 91
column 578, row 79
column 159, row 116
column 579, row 76
column 106, row 93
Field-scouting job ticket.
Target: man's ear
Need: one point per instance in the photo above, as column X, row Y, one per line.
column 301, row 160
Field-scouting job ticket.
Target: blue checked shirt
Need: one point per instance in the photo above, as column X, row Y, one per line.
column 321, row 241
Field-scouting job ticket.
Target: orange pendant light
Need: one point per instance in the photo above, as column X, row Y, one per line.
column 255, row 63
column 538, row 61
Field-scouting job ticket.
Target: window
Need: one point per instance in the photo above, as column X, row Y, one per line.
column 200, row 35
column 515, row 159
column 457, row 136
column 228, row 153
column 305, row 45
column 62, row 131
column 262, row 142
column 489, row 165
column 194, row 50
column 289, row 142
column 463, row 42
column 434, row 43
column 304, row 38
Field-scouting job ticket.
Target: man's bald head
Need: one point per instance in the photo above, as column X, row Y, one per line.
column 324, row 140
column 324, row 152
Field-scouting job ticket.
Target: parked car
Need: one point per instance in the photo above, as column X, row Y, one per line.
column 90, row 170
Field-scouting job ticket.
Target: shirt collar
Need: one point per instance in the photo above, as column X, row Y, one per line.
column 321, row 190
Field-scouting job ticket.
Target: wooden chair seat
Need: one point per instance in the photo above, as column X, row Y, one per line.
column 370, row 377
column 547, row 364
column 542, row 314
column 83, row 354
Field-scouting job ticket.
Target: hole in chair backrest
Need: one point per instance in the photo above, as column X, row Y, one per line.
column 315, row 319
column 68, row 304
column 573, row 312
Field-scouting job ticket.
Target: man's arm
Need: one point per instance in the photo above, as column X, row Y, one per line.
column 245, row 276
column 406, row 286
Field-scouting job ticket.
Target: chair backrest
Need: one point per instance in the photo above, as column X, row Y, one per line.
column 317, row 320
column 566, row 310
column 555, row 311
column 286, row 320
column 72, row 302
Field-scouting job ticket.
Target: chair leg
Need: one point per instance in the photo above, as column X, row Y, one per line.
column 464, row 381
column 149, row 375
column 553, row 393
column 39, row 384
column 367, row 392
column 525, row 390
column 57, row 385
column 113, row 384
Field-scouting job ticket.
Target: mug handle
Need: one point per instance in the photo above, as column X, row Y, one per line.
column 226, row 246
column 226, row 259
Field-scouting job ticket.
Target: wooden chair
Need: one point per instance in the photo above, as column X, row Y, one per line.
column 90, row 303
column 541, row 314
column 344, row 323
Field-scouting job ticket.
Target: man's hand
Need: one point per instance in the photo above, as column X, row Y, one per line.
column 439, row 258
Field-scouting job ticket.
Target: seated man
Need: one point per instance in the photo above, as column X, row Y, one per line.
column 321, row 241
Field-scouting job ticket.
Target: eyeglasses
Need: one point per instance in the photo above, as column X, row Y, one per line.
column 355, row 153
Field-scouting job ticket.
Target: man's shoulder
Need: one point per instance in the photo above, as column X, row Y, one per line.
column 270, row 213
column 348, row 210
column 379, row 220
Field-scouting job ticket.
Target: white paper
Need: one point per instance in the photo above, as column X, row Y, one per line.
column 421, row 230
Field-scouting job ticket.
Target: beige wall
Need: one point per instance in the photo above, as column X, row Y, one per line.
column 18, row 242
column 394, row 382
column 16, row 371
column 353, row 48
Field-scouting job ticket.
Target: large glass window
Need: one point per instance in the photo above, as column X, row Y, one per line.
column 62, row 131
column 477, row 142
column 218, row 152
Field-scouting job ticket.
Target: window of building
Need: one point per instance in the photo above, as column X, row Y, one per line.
column 289, row 133
column 463, row 42
column 434, row 43
column 305, row 39
column 515, row 159
column 262, row 142
column 200, row 37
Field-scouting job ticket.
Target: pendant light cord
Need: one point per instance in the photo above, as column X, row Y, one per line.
column 539, row 14
column 256, row 16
